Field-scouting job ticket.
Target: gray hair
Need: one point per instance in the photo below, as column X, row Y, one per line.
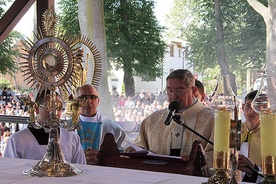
column 183, row 75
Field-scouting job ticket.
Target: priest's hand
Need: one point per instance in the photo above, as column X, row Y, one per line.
column 245, row 164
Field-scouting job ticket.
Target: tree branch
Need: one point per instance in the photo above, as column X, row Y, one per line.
column 258, row 7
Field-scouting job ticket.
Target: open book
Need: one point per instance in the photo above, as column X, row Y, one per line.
column 139, row 152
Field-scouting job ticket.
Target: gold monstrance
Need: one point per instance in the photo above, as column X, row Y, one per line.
column 53, row 63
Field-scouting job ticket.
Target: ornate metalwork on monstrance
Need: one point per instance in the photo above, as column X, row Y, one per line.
column 54, row 63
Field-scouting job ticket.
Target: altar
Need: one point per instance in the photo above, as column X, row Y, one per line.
column 11, row 172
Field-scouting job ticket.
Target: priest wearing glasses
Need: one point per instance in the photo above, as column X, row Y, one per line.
column 170, row 138
column 94, row 124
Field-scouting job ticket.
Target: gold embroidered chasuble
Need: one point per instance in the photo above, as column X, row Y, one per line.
column 156, row 137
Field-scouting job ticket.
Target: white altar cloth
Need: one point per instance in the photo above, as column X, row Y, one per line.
column 11, row 172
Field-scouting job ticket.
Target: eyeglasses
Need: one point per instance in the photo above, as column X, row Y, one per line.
column 178, row 91
column 86, row 97
column 46, row 106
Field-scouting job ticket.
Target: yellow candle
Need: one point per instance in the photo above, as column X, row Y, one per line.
column 268, row 135
column 222, row 131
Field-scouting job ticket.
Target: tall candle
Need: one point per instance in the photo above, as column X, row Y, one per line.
column 268, row 134
column 222, row 131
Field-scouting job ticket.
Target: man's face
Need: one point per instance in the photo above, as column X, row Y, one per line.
column 44, row 112
column 90, row 100
column 250, row 115
column 177, row 91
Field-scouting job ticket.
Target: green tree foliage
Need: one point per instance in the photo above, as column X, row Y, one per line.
column 244, row 34
column 180, row 16
column 134, row 41
column 8, row 51
column 68, row 17
column 4, row 83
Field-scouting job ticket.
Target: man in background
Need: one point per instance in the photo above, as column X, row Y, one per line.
column 200, row 93
column 98, row 125
column 250, row 152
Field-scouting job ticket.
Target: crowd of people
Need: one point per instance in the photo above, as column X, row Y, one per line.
column 137, row 108
column 10, row 104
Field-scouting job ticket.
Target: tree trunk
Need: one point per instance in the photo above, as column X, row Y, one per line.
column 224, row 68
column 269, row 16
column 129, row 83
column 91, row 18
column 270, row 21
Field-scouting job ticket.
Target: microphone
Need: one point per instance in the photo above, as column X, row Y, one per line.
column 174, row 107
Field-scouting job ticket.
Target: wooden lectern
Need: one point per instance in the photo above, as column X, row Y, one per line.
column 110, row 156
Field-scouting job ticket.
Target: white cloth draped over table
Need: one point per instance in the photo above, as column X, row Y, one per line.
column 11, row 172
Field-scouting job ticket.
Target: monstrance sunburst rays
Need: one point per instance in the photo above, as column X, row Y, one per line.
column 55, row 61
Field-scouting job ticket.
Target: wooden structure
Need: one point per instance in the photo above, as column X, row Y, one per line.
column 110, row 156
column 18, row 10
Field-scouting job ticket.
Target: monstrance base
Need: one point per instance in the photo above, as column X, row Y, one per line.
column 268, row 180
column 220, row 177
column 52, row 169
